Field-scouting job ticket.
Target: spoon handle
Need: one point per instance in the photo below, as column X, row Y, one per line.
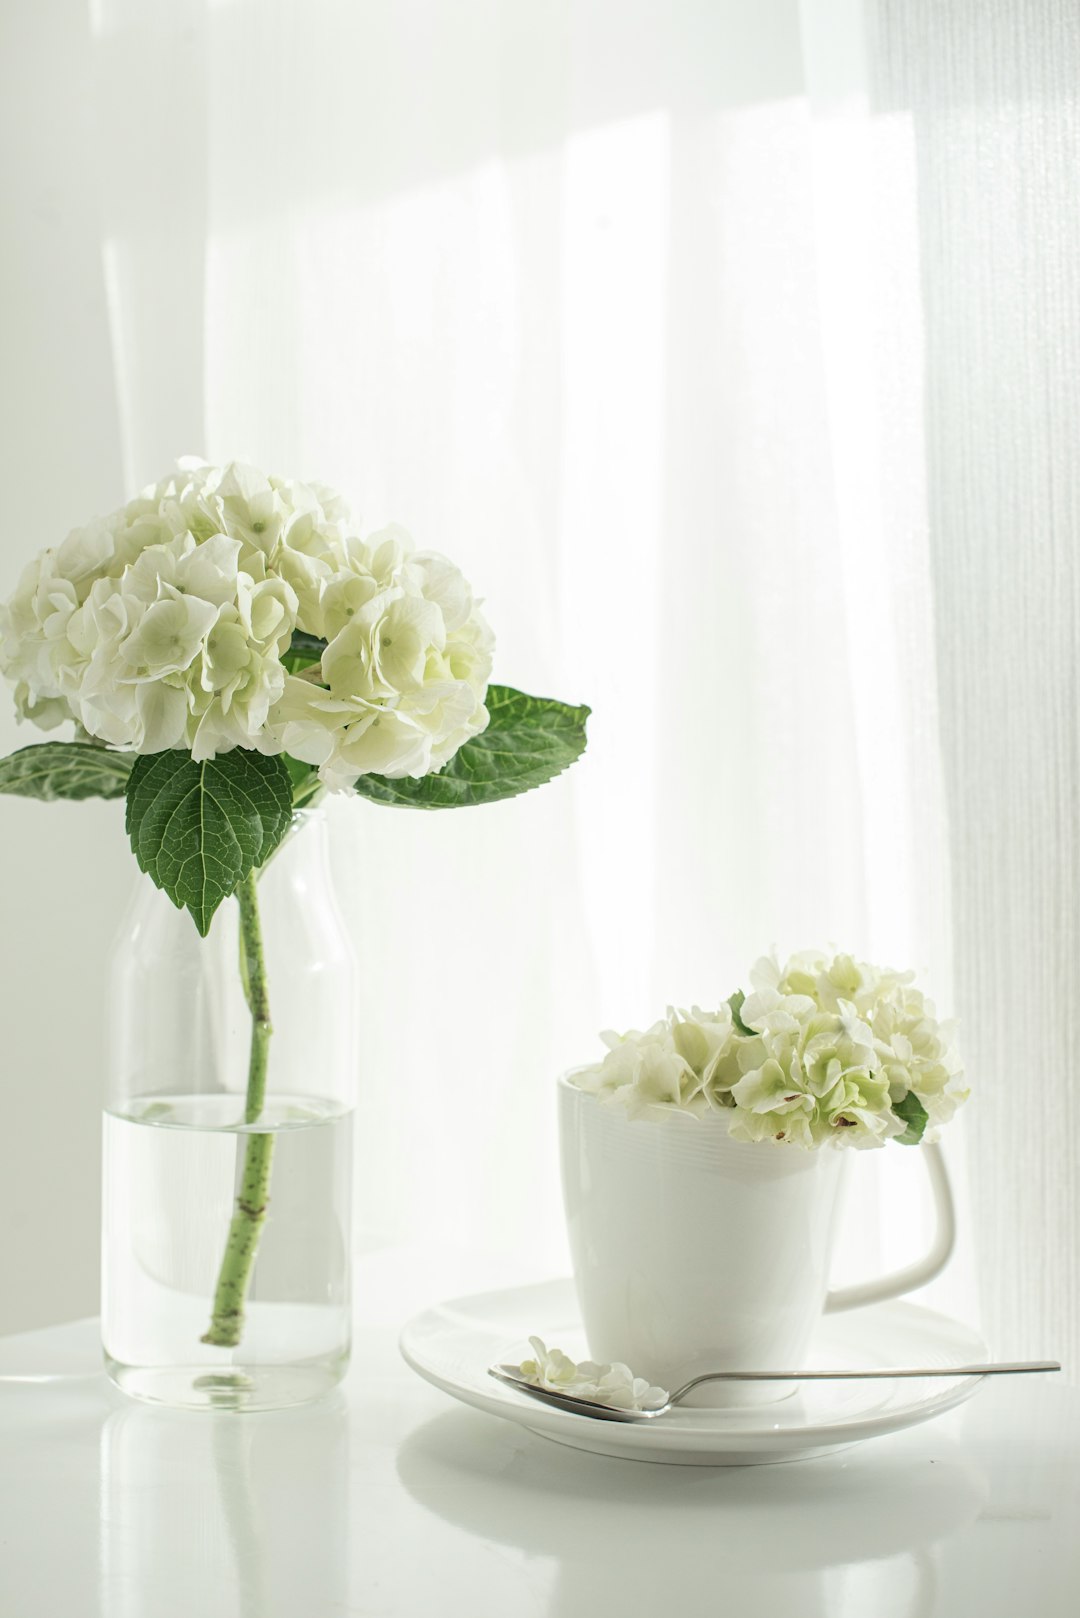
column 996, row 1368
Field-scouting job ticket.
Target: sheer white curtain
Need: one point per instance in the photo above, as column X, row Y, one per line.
column 654, row 318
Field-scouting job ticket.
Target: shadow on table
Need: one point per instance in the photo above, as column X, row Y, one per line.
column 632, row 1537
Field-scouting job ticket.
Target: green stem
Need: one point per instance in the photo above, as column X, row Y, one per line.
column 242, row 1244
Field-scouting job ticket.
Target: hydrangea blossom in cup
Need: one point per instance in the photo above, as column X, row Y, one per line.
column 604, row 1384
column 228, row 647
column 823, row 1051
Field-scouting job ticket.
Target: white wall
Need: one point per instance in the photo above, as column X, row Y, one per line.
column 65, row 870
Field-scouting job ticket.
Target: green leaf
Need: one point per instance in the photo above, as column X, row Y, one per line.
column 735, row 1001
column 528, row 740
column 198, row 829
column 915, row 1115
column 65, row 770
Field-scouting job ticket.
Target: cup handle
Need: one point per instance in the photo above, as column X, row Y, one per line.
column 914, row 1275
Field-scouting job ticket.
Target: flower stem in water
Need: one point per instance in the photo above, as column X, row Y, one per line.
column 242, row 1244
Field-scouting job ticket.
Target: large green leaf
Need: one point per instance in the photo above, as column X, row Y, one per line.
column 915, row 1115
column 528, row 741
column 198, row 829
column 54, row 770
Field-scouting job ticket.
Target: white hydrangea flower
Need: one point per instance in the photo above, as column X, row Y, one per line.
column 614, row 1385
column 918, row 1054
column 404, row 674
column 816, row 1079
column 825, row 1050
column 35, row 651
column 822, row 980
column 166, row 625
column 687, row 1060
column 642, row 1070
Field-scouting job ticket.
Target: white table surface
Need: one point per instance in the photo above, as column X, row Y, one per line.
column 391, row 1499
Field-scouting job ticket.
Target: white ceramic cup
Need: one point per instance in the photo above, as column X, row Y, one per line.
column 694, row 1252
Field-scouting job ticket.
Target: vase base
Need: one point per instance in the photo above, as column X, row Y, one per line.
column 228, row 1387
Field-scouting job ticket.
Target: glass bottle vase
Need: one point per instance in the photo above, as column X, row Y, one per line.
column 227, row 1141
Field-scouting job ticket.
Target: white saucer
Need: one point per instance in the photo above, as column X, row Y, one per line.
column 453, row 1344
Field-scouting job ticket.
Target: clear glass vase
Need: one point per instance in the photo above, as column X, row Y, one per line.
column 227, row 1142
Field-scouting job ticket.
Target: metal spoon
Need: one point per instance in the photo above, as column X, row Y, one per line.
column 512, row 1378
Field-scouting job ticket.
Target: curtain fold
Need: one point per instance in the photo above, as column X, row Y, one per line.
column 585, row 321
column 991, row 93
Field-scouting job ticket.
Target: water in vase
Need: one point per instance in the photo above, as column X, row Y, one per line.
column 174, row 1176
